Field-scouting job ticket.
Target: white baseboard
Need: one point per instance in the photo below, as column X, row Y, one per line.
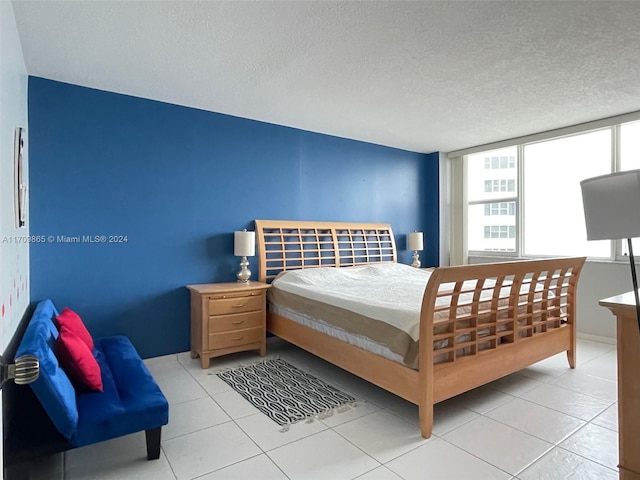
column 596, row 338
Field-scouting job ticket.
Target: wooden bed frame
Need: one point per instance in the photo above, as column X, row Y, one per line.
column 524, row 328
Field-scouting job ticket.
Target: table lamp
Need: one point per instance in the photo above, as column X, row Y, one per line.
column 244, row 245
column 612, row 212
column 415, row 243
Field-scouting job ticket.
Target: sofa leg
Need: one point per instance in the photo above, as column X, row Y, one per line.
column 153, row 443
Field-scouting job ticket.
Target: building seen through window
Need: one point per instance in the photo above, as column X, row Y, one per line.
column 549, row 173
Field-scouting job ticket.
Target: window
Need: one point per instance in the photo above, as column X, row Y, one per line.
column 500, row 162
column 526, row 199
column 499, row 185
column 630, row 146
column 553, row 213
column 630, row 160
column 501, row 208
column 499, row 231
column 492, row 193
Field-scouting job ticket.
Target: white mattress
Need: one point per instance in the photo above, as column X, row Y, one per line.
column 351, row 338
column 388, row 292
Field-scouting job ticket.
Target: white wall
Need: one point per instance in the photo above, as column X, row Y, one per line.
column 14, row 252
column 14, row 257
column 600, row 280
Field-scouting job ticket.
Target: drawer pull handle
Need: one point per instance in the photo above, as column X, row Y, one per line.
column 238, row 322
column 238, row 306
column 237, row 338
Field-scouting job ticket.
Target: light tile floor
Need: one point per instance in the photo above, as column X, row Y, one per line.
column 545, row 422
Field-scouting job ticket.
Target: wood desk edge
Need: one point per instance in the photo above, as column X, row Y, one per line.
column 624, row 300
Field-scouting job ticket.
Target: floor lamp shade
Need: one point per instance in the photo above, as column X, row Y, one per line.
column 612, row 205
column 612, row 212
column 244, row 244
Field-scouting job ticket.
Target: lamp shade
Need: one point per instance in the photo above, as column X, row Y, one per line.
column 415, row 241
column 612, row 205
column 244, row 244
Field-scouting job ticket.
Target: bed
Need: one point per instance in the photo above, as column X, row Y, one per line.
column 475, row 323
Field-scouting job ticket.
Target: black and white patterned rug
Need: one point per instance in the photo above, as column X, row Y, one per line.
column 284, row 393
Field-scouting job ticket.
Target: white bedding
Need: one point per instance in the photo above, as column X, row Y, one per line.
column 389, row 292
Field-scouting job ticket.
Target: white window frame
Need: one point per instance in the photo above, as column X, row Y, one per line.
column 458, row 247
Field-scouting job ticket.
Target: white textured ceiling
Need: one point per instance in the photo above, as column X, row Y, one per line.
column 423, row 76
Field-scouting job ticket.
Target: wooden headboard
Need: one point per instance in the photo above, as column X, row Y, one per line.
column 291, row 245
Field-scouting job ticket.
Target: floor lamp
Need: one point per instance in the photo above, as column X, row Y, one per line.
column 612, row 212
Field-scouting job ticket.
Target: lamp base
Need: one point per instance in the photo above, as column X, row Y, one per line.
column 244, row 274
column 415, row 261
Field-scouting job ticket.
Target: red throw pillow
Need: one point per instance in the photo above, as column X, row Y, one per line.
column 78, row 361
column 70, row 319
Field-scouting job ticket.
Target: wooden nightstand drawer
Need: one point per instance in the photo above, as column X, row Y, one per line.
column 225, row 323
column 227, row 317
column 225, row 306
column 235, row 338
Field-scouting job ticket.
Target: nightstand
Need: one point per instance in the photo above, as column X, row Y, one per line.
column 227, row 318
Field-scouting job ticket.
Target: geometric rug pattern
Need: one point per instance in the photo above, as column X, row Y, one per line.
column 284, row 393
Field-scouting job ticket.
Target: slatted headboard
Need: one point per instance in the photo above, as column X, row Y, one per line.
column 291, row 245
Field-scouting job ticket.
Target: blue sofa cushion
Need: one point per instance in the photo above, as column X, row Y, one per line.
column 101, row 405
column 52, row 388
column 131, row 401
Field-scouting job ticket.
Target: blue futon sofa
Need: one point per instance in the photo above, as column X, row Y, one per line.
column 131, row 401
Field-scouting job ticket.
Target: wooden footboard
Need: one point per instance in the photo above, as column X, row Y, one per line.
column 478, row 323
column 499, row 318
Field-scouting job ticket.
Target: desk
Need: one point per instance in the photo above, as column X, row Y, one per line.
column 624, row 308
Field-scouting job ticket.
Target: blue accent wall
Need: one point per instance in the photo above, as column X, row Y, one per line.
column 177, row 182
